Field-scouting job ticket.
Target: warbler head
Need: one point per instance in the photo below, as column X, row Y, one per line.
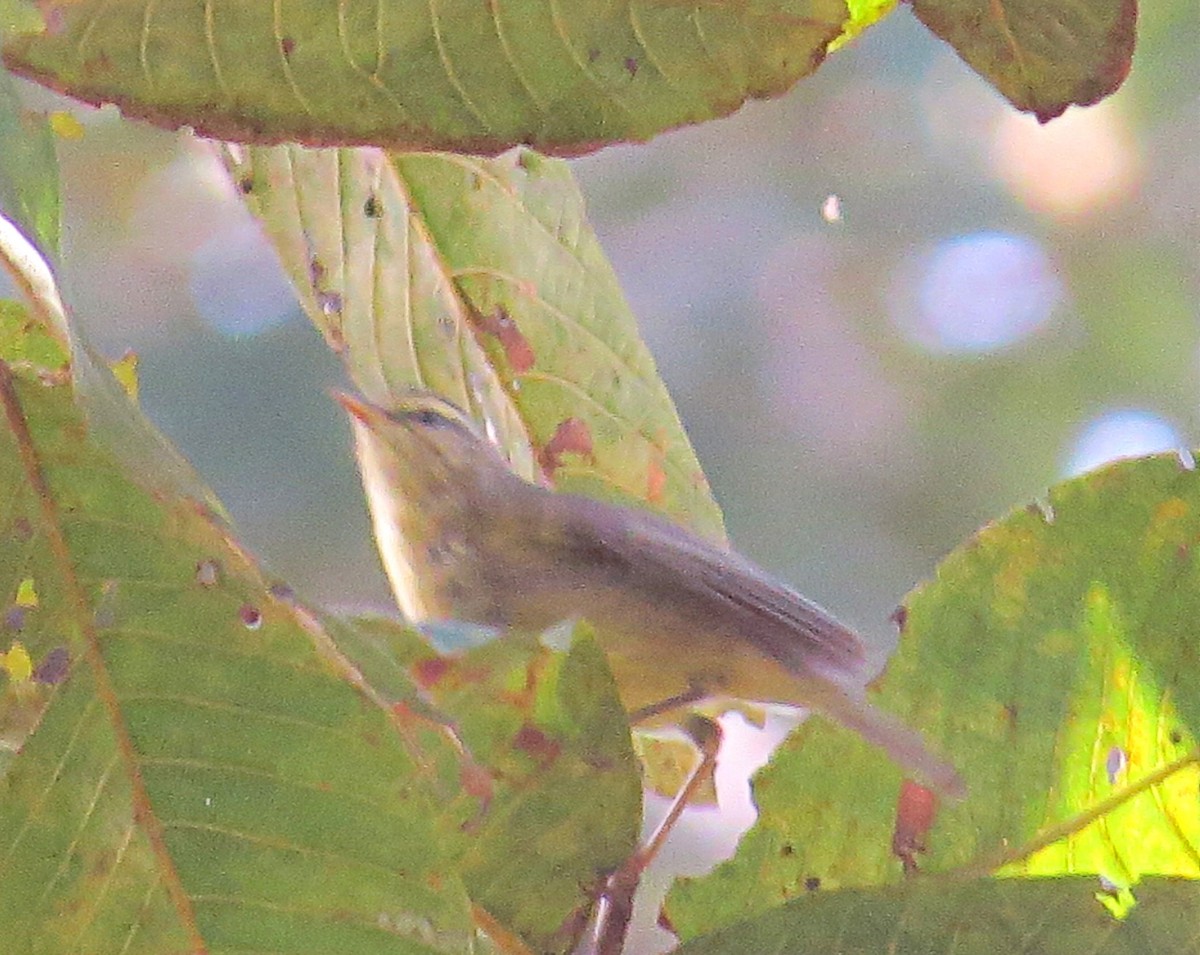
column 421, row 443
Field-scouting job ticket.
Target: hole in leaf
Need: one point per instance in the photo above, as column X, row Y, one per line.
column 1115, row 763
column 208, row 572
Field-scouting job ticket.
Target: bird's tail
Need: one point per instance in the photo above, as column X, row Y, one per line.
column 850, row 708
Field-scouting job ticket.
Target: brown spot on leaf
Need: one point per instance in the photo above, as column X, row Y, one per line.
column 631, row 65
column 572, row 436
column 916, row 808
column 900, row 617
column 316, row 272
column 812, row 883
column 373, row 208
column 250, row 616
column 246, row 184
column 287, row 46
column 517, row 349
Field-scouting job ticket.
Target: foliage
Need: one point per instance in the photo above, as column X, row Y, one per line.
column 192, row 759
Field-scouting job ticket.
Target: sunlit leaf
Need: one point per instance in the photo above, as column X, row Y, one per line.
column 1054, row 661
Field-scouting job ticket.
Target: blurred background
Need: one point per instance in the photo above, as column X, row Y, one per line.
column 889, row 309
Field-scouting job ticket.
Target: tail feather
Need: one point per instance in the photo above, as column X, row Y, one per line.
column 905, row 746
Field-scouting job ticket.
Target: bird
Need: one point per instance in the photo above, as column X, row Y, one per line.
column 683, row 621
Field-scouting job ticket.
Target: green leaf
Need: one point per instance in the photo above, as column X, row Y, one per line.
column 1053, row 660
column 566, row 810
column 481, row 280
column 1042, row 55
column 1061, row 916
column 473, row 77
column 863, row 13
column 29, row 173
column 193, row 765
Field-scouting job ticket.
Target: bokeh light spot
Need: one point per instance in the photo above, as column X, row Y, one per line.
column 237, row 283
column 980, row 293
column 1085, row 159
column 1125, row 433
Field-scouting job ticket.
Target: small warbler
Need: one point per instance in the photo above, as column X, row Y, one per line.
column 681, row 620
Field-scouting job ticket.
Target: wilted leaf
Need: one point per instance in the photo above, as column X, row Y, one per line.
column 1055, row 662
column 1043, row 55
column 481, row 280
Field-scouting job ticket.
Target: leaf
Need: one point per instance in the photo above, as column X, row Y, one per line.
column 1042, row 55
column 29, row 173
column 1061, row 916
column 193, row 767
column 481, row 280
column 1054, row 661
column 472, row 77
column 566, row 808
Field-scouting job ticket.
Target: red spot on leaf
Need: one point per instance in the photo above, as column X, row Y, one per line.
column 476, row 782
column 250, row 616
column 516, row 346
column 429, row 672
column 572, row 436
column 916, row 808
column 531, row 740
column 656, row 480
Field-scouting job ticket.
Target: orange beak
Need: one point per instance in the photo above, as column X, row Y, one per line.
column 355, row 407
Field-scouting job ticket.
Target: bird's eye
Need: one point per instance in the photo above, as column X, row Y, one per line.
column 428, row 419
